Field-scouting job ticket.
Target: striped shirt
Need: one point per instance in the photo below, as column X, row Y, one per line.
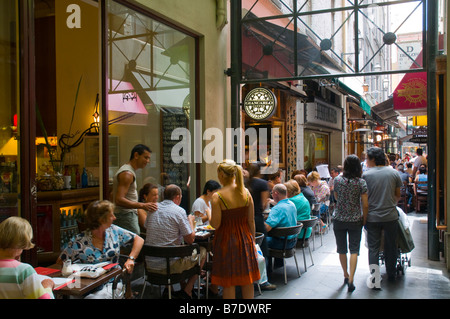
column 20, row 281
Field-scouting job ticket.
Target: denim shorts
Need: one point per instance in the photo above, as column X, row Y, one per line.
column 354, row 231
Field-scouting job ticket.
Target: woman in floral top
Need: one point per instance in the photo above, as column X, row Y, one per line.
column 350, row 215
column 102, row 240
column 321, row 193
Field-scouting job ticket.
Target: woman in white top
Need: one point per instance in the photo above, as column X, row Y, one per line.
column 202, row 206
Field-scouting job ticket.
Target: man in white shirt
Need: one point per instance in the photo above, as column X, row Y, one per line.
column 419, row 160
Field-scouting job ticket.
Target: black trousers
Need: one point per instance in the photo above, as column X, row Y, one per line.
column 375, row 239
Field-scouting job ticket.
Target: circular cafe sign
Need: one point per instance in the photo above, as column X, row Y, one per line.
column 260, row 104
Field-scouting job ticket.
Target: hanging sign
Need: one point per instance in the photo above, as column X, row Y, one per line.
column 260, row 104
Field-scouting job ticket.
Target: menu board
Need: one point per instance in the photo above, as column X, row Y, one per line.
column 177, row 174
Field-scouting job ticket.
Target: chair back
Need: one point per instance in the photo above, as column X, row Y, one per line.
column 308, row 223
column 421, row 187
column 169, row 252
column 285, row 233
column 259, row 237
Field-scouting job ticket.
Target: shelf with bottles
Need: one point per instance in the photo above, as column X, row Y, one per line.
column 8, row 175
column 70, row 217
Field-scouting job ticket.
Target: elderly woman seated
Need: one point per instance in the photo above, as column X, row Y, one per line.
column 101, row 242
column 321, row 193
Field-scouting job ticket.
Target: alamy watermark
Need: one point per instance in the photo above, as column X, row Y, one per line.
column 219, row 145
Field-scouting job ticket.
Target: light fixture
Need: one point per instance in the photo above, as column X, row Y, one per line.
column 92, row 130
column 96, row 124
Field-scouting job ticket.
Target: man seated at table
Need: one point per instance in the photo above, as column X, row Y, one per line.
column 283, row 214
column 167, row 226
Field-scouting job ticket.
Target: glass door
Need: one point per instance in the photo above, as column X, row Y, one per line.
column 9, row 110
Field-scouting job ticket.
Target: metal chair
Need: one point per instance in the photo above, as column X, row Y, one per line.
column 283, row 233
column 169, row 252
column 259, row 237
column 315, row 211
column 308, row 223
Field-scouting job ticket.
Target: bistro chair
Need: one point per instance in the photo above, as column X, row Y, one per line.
column 168, row 253
column 284, row 233
column 315, row 211
column 259, row 237
column 308, row 223
column 421, row 194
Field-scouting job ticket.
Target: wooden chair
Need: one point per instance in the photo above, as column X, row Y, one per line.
column 283, row 233
column 168, row 253
column 420, row 194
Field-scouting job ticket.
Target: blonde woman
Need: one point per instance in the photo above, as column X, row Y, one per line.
column 235, row 262
column 19, row 280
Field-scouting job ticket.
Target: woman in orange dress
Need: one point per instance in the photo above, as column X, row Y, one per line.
column 235, row 258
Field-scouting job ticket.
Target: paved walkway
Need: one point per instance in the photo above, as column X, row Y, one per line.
column 425, row 279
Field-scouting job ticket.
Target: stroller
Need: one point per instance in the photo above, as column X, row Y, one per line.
column 405, row 244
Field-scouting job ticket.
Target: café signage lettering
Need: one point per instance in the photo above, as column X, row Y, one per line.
column 323, row 114
column 260, row 104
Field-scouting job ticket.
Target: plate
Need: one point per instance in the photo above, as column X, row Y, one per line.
column 205, row 228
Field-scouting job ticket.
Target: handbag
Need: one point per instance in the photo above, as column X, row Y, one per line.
column 404, row 238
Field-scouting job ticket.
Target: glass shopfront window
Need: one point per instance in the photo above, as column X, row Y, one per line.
column 151, row 92
column 9, row 105
column 316, row 148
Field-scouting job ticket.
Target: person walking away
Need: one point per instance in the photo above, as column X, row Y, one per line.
column 125, row 194
column 383, row 184
column 350, row 192
column 235, row 261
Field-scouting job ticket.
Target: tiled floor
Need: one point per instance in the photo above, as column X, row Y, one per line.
column 425, row 279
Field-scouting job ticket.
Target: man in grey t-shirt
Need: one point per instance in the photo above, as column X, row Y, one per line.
column 383, row 184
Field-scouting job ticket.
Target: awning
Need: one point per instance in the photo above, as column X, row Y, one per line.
column 385, row 110
column 410, row 96
column 354, row 87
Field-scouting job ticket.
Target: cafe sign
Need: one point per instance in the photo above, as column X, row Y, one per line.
column 260, row 104
column 420, row 135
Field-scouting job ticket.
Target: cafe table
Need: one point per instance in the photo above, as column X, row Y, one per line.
column 83, row 286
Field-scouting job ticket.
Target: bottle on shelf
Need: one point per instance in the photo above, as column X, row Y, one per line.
column 73, row 178
column 84, row 179
column 78, row 177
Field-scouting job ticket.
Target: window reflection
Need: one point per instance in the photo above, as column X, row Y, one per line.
column 151, row 81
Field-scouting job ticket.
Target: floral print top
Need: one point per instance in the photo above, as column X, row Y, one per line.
column 348, row 195
column 321, row 192
column 81, row 249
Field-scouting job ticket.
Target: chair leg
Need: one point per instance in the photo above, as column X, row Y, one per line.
column 304, row 259
column 296, row 264
column 285, row 272
column 310, row 254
